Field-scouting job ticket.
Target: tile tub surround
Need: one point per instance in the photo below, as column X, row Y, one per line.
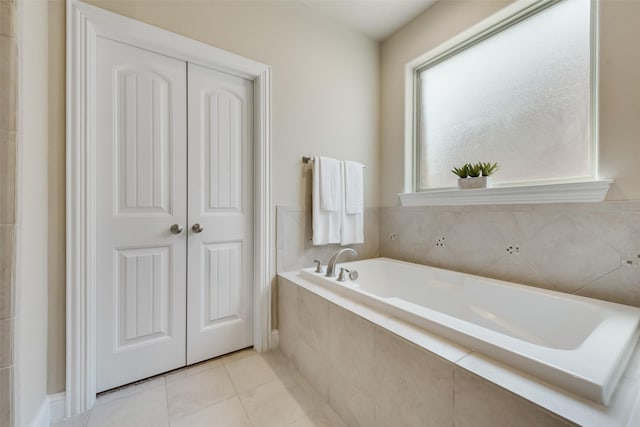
column 8, row 150
column 378, row 368
column 577, row 248
column 294, row 249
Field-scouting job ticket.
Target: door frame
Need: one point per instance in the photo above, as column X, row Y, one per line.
column 84, row 24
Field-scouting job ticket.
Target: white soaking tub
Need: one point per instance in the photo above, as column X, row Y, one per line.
column 578, row 344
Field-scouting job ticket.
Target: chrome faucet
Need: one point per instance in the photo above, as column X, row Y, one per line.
column 331, row 267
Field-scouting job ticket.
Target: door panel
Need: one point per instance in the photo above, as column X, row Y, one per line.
column 143, row 170
column 222, row 272
column 220, row 263
column 141, row 181
column 142, row 295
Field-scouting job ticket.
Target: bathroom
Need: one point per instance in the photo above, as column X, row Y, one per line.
column 333, row 77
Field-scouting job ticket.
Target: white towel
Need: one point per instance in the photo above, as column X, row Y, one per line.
column 325, row 223
column 354, row 187
column 352, row 225
column 329, row 170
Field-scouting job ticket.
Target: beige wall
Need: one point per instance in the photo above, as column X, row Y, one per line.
column 56, row 187
column 325, row 102
column 31, row 261
column 619, row 89
column 620, row 97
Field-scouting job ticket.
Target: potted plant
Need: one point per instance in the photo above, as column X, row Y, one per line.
column 474, row 175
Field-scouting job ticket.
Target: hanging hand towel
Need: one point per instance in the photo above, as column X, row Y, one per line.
column 325, row 222
column 329, row 170
column 352, row 224
column 354, row 187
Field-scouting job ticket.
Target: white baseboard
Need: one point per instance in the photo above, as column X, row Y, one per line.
column 42, row 416
column 56, row 404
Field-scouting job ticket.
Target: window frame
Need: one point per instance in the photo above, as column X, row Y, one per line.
column 500, row 21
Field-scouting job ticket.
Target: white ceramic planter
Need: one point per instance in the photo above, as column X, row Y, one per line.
column 469, row 183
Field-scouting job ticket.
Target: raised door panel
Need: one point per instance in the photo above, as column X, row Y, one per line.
column 141, row 171
column 220, row 265
column 143, row 302
column 222, row 299
column 222, row 146
column 143, row 144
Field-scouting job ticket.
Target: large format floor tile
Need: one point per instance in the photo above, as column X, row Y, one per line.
column 196, row 392
column 146, row 408
column 228, row 413
column 243, row 389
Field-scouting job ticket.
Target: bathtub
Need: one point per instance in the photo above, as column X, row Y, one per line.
column 578, row 344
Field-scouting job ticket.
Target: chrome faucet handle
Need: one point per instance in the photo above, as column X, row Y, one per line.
column 342, row 276
column 331, row 265
column 318, row 266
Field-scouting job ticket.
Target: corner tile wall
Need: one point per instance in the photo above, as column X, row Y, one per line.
column 294, row 249
column 372, row 377
column 579, row 248
column 8, row 147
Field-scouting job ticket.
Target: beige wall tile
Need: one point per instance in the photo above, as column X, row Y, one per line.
column 567, row 255
column 572, row 248
column 353, row 406
column 351, row 349
column 295, row 249
column 413, row 387
column 314, row 366
column 7, row 241
column 6, row 342
column 479, row 403
column 6, row 396
column 7, row 176
column 313, row 320
column 7, row 17
column 288, row 318
column 8, row 83
column 621, row 285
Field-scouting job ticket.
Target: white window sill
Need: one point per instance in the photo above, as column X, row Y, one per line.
column 584, row 191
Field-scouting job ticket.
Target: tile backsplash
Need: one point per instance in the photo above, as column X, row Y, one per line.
column 294, row 249
column 589, row 249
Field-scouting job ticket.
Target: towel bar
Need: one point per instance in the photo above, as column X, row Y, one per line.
column 306, row 159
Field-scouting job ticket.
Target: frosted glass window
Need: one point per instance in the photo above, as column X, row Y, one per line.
column 520, row 98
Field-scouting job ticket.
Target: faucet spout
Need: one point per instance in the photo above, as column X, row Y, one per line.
column 331, row 266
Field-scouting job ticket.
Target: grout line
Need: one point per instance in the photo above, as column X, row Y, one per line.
column 453, row 392
column 166, row 400
column 233, row 384
column 595, row 279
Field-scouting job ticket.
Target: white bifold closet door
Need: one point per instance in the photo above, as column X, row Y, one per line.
column 220, row 261
column 167, row 298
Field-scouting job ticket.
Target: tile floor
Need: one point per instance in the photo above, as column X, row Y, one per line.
column 241, row 389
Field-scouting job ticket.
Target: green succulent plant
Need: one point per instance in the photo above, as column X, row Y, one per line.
column 488, row 169
column 469, row 170
column 462, row 171
column 474, row 170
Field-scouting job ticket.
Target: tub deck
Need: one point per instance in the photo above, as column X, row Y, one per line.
column 578, row 344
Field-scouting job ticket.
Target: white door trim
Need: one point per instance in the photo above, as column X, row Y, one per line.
column 84, row 24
